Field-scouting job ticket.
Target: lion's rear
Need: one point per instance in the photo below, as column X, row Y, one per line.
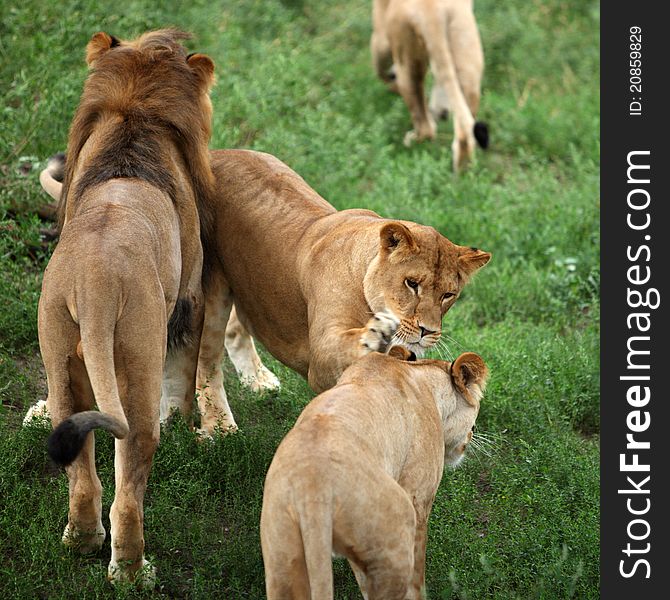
column 296, row 522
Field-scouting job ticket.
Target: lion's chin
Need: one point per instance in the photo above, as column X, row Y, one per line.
column 417, row 348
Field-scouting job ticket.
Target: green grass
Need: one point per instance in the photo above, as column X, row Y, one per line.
column 294, row 79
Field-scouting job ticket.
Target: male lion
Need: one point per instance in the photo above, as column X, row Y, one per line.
column 177, row 390
column 409, row 35
column 124, row 281
column 319, row 288
column 358, row 473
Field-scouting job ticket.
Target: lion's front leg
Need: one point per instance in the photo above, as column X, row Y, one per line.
column 181, row 361
column 333, row 349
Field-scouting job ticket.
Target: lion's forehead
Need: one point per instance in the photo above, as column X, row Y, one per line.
column 437, row 266
column 434, row 245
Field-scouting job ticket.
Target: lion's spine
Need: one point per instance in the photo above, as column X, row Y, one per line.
column 97, row 342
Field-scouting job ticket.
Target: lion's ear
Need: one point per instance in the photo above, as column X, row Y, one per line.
column 100, row 43
column 402, row 353
column 396, row 236
column 470, row 260
column 203, row 66
column 470, row 374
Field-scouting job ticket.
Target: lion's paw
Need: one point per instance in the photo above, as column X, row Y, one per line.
column 410, row 138
column 38, row 415
column 86, row 542
column 263, row 379
column 427, row 131
column 223, row 428
column 144, row 577
column 379, row 332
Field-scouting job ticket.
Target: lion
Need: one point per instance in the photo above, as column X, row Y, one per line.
column 239, row 345
column 124, row 282
column 318, row 287
column 358, row 473
column 410, row 35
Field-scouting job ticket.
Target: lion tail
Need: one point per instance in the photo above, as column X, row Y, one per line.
column 316, row 529
column 51, row 177
column 97, row 345
column 481, row 131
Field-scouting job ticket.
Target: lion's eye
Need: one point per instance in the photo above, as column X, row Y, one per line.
column 448, row 295
column 413, row 285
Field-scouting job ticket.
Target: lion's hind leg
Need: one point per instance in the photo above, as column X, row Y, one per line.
column 380, row 49
column 376, row 534
column 456, row 64
column 411, row 65
column 286, row 576
column 466, row 47
column 439, row 103
column 139, row 375
column 382, row 59
column 70, row 392
column 84, row 529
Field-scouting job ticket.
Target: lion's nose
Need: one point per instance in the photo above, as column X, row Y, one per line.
column 425, row 332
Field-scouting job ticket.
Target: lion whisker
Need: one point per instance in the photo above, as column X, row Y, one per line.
column 494, row 438
column 452, row 340
column 478, row 448
column 446, row 349
column 485, row 445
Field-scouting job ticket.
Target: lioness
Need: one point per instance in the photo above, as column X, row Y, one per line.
column 124, row 281
column 318, row 287
column 409, row 35
column 358, row 473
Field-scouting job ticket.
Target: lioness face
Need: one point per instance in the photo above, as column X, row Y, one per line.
column 458, row 433
column 417, row 276
column 466, row 382
column 460, row 386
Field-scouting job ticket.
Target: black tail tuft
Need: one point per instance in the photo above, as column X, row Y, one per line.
column 56, row 165
column 180, row 325
column 66, row 442
column 481, row 131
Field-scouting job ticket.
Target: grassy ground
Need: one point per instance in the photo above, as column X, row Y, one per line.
column 294, row 79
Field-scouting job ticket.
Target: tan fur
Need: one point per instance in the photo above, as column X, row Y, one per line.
column 177, row 385
column 319, row 288
column 411, row 35
column 128, row 250
column 358, row 473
